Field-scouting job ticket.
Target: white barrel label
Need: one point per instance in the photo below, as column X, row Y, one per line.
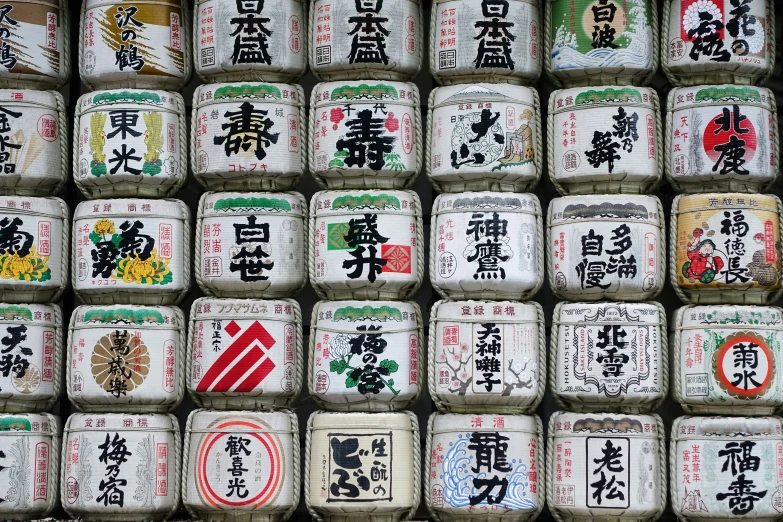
column 28, row 362
column 32, row 47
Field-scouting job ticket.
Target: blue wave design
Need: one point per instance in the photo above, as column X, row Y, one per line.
column 458, row 480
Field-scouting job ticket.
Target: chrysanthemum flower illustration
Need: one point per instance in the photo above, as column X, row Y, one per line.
column 103, row 226
column 150, row 271
column 120, row 362
column 32, row 267
column 756, row 41
column 691, row 20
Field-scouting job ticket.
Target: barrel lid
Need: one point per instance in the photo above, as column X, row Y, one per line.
column 252, row 203
column 163, row 317
column 341, row 202
column 275, row 93
column 136, row 98
column 566, row 100
column 459, row 423
column 15, row 424
column 121, row 422
column 342, row 316
column 54, row 207
column 591, row 424
column 476, row 201
column 331, row 93
column 731, row 316
column 323, row 420
column 213, row 421
column 638, row 209
column 686, row 97
column 132, row 207
column 22, row 97
column 612, row 313
column 690, row 428
column 207, row 308
column 483, row 92
column 510, row 311
column 32, row 313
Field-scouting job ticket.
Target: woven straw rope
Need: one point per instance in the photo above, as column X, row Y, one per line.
column 348, row 72
column 251, row 515
column 387, row 404
column 245, row 290
column 639, row 78
column 683, row 185
column 575, row 187
column 123, row 189
column 514, row 77
column 481, row 184
column 140, row 81
column 119, row 516
column 645, row 405
column 550, row 475
column 270, row 182
column 633, row 296
column 372, row 293
column 138, row 297
column 244, row 401
column 541, row 469
column 489, row 294
column 136, row 407
column 369, row 179
column 445, row 406
column 681, row 79
column 711, row 295
column 391, row 517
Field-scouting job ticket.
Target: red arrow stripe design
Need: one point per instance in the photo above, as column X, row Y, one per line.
column 258, row 375
column 227, row 358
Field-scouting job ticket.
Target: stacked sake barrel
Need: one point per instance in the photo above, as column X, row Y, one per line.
column 608, row 366
column 486, row 340
column 725, row 258
column 34, row 232
column 245, row 358
column 366, row 261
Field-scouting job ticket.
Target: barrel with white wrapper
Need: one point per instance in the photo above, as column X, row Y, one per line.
column 365, row 355
column 248, row 136
column 343, row 449
column 484, row 137
column 512, row 487
column 487, row 356
column 121, row 467
column 244, row 353
column 262, row 449
column 30, row 447
column 251, row 244
column 126, row 358
column 131, row 251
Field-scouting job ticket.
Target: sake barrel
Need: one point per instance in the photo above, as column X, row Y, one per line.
column 34, row 157
column 507, row 451
column 718, row 41
column 36, row 49
column 244, row 353
column 484, row 137
column 248, row 136
column 605, row 140
column 485, row 41
column 143, row 46
column 264, row 254
column 349, row 470
column 365, row 134
column 33, row 249
column 726, row 468
column 365, row 39
column 725, row 248
column 30, row 448
column 614, row 44
column 31, row 363
column 606, row 466
column 721, row 138
column 256, row 40
column 606, row 247
column 487, row 356
column 120, row 466
column 131, row 251
column 486, row 245
column 726, row 359
column 367, row 244
column 126, row 358
column 130, row 143
column 366, row 355
column 609, row 356
column 241, row 466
